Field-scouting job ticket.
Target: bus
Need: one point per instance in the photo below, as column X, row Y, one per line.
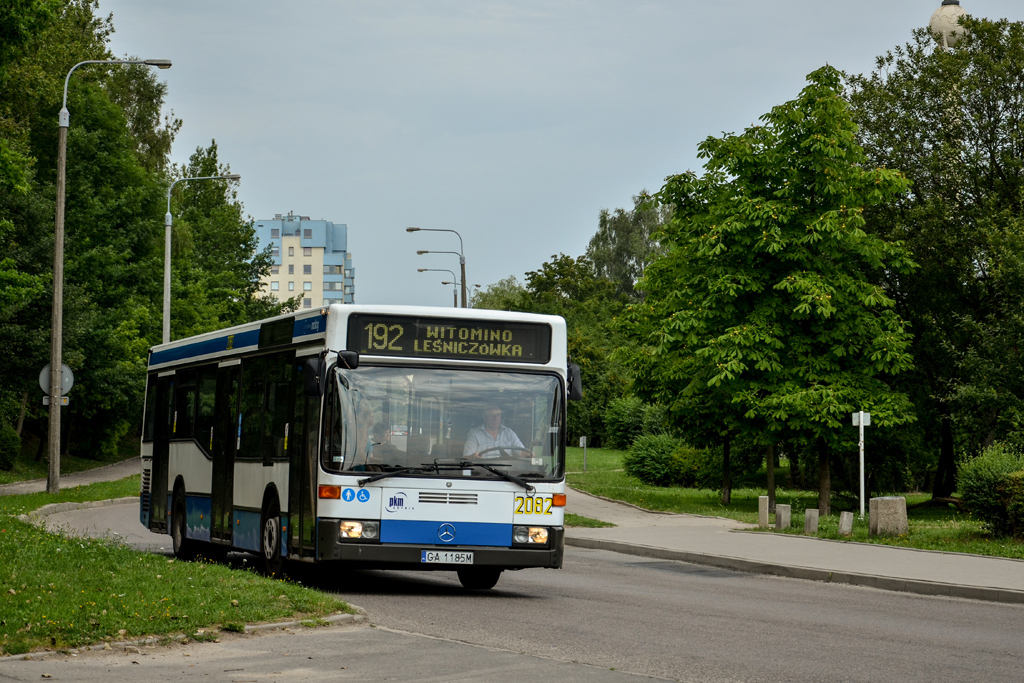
column 396, row 437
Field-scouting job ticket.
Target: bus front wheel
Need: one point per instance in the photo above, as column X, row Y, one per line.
column 479, row 578
column 270, row 539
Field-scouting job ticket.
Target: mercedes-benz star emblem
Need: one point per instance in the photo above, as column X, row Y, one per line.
column 446, row 532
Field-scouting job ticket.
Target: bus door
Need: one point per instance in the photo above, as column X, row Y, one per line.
column 303, row 456
column 225, row 436
column 162, row 432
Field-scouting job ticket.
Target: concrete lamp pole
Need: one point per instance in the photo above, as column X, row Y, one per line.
column 461, row 254
column 443, row 270
column 57, row 331
column 167, row 246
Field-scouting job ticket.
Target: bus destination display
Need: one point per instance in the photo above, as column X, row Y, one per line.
column 451, row 338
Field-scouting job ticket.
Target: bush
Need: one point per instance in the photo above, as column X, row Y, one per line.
column 1012, row 493
column 980, row 481
column 624, row 421
column 700, row 468
column 652, row 459
column 10, row 447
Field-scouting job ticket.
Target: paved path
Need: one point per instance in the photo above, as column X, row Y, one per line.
column 113, row 472
column 729, row 544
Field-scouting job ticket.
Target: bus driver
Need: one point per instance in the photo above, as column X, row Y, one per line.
column 491, row 435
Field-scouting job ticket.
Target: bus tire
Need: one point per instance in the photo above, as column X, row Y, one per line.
column 270, row 538
column 479, row 578
column 184, row 547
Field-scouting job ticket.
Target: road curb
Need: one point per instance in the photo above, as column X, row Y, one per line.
column 889, row 583
column 36, row 515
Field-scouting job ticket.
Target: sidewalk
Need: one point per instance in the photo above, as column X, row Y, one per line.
column 726, row 544
column 114, row 472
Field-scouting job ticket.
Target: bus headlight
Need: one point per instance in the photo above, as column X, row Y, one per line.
column 530, row 535
column 351, row 529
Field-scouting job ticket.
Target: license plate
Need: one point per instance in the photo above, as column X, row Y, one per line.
column 446, row 557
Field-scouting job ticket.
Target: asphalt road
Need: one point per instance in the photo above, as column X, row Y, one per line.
column 665, row 619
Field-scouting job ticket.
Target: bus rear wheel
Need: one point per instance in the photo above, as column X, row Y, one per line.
column 270, row 539
column 184, row 547
column 479, row 578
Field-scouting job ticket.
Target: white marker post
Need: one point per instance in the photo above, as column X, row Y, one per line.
column 861, row 420
column 583, row 445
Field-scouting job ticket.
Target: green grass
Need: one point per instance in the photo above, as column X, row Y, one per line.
column 580, row 520
column 26, row 469
column 931, row 528
column 59, row 593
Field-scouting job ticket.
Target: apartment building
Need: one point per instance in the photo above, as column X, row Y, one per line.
column 311, row 259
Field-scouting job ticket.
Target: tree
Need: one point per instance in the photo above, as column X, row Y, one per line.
column 766, row 313
column 216, row 269
column 951, row 120
column 624, row 245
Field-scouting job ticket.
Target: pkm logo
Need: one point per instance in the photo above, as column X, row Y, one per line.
column 397, row 501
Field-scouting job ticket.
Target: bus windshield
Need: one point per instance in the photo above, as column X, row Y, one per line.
column 381, row 419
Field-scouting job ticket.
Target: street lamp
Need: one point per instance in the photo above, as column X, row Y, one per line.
column 444, row 270
column 57, row 324
column 461, row 252
column 167, row 246
column 945, row 23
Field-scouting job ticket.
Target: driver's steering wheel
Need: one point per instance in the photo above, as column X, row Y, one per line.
column 528, row 452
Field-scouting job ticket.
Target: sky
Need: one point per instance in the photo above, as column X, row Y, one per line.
column 512, row 123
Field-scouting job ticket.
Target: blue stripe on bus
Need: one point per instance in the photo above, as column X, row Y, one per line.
column 197, row 516
column 206, row 347
column 245, row 530
column 431, row 533
column 304, row 327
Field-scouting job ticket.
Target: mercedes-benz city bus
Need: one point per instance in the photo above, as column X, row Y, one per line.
column 370, row 437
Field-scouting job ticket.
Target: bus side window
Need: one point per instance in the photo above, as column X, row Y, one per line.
column 184, row 405
column 206, row 390
column 333, row 455
column 149, row 424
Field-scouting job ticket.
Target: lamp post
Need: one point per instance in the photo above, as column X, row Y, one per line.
column 57, row 324
column 455, row 295
column 461, row 253
column 167, row 246
column 945, row 23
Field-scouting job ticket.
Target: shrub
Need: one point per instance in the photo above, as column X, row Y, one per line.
column 624, row 421
column 699, row 467
column 1012, row 493
column 10, row 447
column 652, row 459
column 979, row 481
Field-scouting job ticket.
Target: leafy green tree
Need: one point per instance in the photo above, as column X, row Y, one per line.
column 951, row 121
column 624, row 244
column 766, row 313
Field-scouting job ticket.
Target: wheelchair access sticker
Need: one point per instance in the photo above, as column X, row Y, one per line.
column 362, row 495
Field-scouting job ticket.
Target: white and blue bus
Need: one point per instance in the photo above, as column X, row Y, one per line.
column 368, row 436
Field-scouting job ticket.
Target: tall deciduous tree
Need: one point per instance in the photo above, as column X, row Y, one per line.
column 766, row 313
column 624, row 245
column 951, row 120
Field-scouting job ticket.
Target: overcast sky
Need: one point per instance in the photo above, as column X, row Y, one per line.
column 513, row 123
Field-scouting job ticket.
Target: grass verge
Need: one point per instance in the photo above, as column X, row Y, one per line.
column 60, row 593
column 931, row 528
column 580, row 520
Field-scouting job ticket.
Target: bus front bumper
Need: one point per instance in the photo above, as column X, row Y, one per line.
column 408, row 555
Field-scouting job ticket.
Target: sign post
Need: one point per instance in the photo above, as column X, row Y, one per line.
column 583, row 445
column 861, row 420
column 64, row 382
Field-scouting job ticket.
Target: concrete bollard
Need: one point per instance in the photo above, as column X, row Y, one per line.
column 762, row 512
column 782, row 513
column 810, row 521
column 845, row 523
column 888, row 516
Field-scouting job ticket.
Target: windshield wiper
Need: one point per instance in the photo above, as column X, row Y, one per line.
column 394, row 473
column 437, row 467
column 493, row 469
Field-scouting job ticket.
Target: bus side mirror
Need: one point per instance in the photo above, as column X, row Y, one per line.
column 313, row 378
column 348, row 359
column 575, row 383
